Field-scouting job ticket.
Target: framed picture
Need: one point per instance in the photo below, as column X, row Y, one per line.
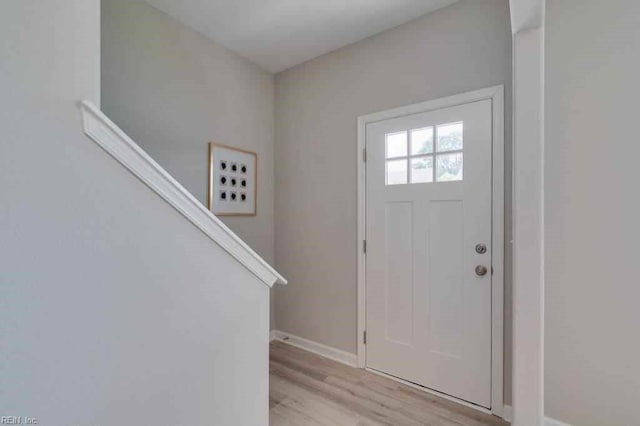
column 233, row 181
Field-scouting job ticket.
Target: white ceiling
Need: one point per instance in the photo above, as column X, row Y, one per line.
column 278, row 34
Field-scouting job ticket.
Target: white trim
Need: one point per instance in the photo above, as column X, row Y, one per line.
column 361, row 233
column 528, row 228
column 527, row 24
column 508, row 416
column 553, row 422
column 115, row 142
column 526, row 15
column 496, row 95
column 338, row 355
column 507, row 413
column 497, row 244
column 431, row 391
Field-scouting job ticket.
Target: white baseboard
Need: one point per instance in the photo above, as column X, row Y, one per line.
column 317, row 348
column 553, row 422
column 507, row 415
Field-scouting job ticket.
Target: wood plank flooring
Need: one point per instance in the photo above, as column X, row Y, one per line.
column 307, row 389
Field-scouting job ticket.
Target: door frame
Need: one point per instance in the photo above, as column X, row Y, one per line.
column 496, row 95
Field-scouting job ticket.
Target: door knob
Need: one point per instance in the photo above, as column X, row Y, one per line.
column 481, row 271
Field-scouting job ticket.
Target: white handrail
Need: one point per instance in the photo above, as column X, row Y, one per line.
column 121, row 147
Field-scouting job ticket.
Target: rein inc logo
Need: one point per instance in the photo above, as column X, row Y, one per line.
column 18, row 420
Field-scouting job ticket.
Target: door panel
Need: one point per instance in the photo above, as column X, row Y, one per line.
column 428, row 193
column 399, row 227
column 446, row 302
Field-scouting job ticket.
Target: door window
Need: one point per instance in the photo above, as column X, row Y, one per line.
column 411, row 158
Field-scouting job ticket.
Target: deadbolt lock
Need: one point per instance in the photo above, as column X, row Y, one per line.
column 481, row 248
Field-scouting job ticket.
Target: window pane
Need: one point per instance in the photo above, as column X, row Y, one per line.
column 396, row 172
column 422, row 141
column 450, row 137
column 422, row 170
column 449, row 167
column 396, row 144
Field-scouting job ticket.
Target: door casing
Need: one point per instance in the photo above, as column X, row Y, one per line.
column 496, row 95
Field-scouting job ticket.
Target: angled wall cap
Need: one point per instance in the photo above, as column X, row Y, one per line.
column 526, row 14
column 120, row 146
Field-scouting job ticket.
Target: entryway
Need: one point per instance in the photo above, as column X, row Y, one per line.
column 430, row 281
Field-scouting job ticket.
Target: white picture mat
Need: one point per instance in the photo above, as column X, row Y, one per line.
column 222, row 181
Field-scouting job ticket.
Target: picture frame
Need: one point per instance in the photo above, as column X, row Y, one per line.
column 232, row 181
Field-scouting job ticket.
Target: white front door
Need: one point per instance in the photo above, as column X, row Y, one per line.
column 428, row 261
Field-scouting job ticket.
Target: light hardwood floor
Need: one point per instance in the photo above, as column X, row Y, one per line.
column 307, row 389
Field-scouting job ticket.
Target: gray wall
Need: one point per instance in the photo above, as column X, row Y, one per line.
column 173, row 90
column 464, row 47
column 592, row 206
column 113, row 306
